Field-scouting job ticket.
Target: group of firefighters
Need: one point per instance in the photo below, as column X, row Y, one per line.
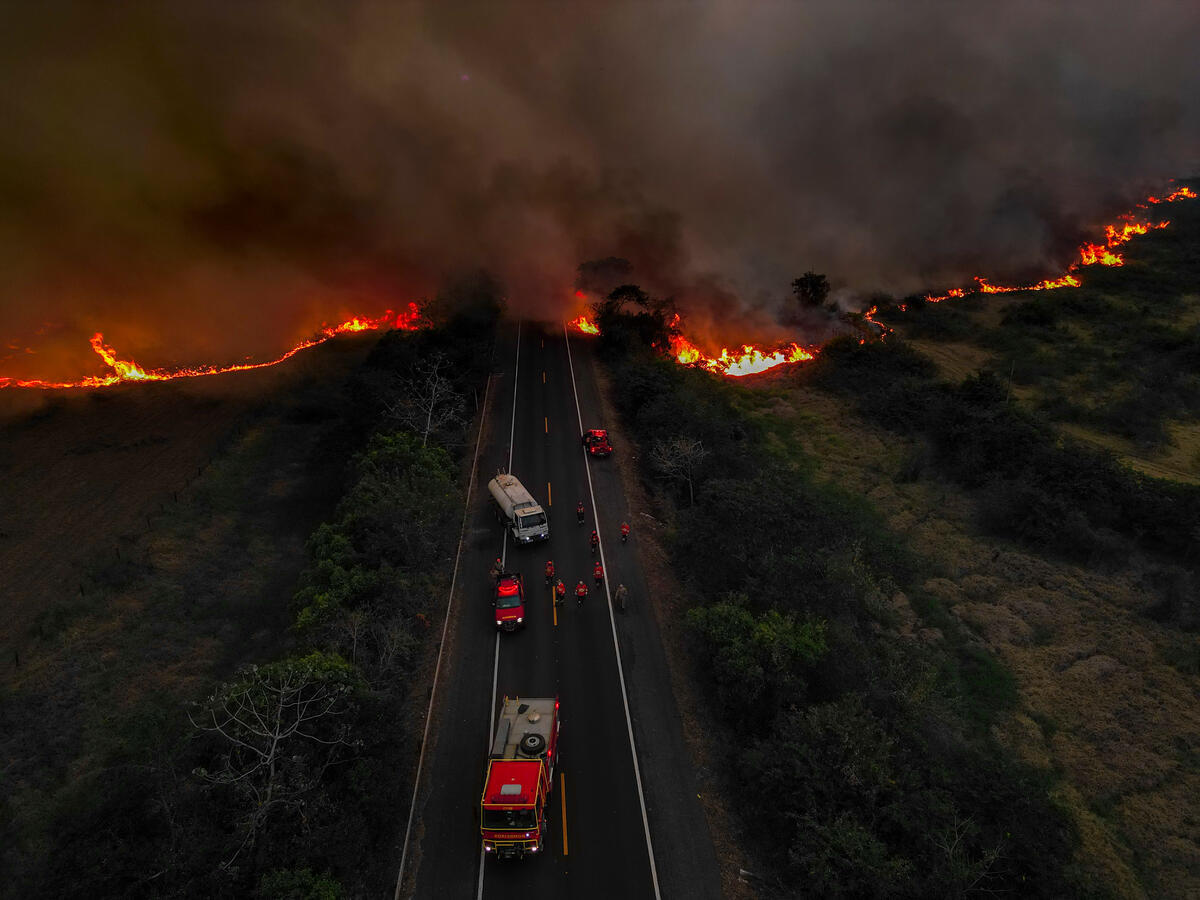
column 581, row 588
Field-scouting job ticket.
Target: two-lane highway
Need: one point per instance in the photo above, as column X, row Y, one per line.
column 599, row 826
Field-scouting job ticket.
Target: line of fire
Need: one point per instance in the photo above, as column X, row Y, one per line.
column 747, row 360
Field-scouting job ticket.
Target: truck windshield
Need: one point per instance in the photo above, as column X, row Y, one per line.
column 509, row 819
column 533, row 520
column 508, row 602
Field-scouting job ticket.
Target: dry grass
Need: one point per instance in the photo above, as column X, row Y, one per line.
column 955, row 361
column 1178, row 462
column 1099, row 704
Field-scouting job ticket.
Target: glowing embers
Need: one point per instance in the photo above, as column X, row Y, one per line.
column 128, row 370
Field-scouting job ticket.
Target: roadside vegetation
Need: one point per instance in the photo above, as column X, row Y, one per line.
column 1062, row 498
column 272, row 769
column 863, row 762
column 1115, row 360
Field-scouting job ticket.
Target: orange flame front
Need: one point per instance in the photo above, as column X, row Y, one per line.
column 127, row 370
column 584, row 324
column 1089, row 254
column 750, row 360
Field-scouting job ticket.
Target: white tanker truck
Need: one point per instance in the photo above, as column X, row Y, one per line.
column 517, row 509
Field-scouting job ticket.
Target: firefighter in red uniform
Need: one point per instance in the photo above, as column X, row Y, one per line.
column 549, row 571
column 580, row 592
column 579, row 512
column 560, row 592
column 595, row 541
column 497, row 568
column 598, row 573
column 624, row 532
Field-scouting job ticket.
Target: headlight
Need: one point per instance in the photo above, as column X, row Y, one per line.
column 520, row 619
column 488, row 847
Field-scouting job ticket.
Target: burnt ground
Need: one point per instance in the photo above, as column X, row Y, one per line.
column 150, row 540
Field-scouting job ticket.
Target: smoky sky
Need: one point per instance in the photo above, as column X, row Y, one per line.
column 207, row 180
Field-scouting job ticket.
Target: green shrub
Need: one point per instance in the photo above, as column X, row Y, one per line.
column 298, row 884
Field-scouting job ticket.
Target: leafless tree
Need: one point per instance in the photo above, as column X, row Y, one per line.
column 429, row 401
column 394, row 641
column 678, row 459
column 283, row 725
column 969, row 874
column 351, row 628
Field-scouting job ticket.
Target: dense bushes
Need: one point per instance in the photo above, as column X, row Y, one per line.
column 1055, row 496
column 862, row 763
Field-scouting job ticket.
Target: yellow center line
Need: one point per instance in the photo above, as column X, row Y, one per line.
column 543, row 378
column 554, row 605
column 547, row 421
column 549, row 495
column 562, row 797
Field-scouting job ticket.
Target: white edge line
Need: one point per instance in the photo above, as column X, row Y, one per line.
column 512, row 431
column 637, row 772
column 442, row 647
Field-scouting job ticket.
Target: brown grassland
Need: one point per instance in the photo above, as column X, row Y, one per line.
column 1103, row 700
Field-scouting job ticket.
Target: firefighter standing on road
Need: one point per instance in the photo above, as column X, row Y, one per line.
column 549, row 571
column 595, row 541
column 497, row 568
column 621, row 594
column 580, row 593
column 598, row 573
column 624, row 532
column 579, row 512
column 560, row 593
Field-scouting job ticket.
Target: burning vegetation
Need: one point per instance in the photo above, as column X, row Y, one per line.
column 748, row 359
column 1090, row 254
column 127, row 370
column 751, row 359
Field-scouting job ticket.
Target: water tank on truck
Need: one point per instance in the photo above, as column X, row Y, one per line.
column 517, row 509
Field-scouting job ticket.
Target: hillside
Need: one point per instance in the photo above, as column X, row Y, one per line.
column 1113, row 362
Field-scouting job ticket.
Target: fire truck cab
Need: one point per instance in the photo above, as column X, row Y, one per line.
column 508, row 602
column 519, row 777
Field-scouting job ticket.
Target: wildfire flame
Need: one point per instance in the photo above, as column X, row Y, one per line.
column 748, row 361
column 128, row 370
column 584, row 324
column 751, row 359
column 1089, row 254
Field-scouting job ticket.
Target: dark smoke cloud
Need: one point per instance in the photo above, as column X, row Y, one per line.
column 206, row 180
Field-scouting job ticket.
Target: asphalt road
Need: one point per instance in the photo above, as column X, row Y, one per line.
column 624, row 820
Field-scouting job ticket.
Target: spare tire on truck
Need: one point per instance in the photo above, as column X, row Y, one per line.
column 533, row 744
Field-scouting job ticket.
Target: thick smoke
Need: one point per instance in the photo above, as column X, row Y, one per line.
column 207, row 180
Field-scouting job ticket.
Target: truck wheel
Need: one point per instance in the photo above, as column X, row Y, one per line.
column 533, row 744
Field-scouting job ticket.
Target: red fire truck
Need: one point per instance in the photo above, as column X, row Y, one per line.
column 520, row 774
column 509, row 601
